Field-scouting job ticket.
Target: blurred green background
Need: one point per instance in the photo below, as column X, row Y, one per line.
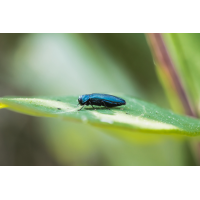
column 76, row 64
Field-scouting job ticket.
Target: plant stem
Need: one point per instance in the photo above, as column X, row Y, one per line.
column 163, row 61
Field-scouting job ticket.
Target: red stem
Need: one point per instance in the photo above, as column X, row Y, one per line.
column 164, row 61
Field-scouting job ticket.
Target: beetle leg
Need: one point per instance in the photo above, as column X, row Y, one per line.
column 105, row 105
column 91, row 105
column 82, row 107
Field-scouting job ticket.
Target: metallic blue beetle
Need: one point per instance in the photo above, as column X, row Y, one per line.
column 100, row 100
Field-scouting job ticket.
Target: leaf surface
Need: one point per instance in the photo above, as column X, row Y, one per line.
column 3, row 105
column 136, row 115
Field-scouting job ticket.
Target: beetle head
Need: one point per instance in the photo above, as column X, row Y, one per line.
column 80, row 100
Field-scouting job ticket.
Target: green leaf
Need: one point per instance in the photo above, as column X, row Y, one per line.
column 137, row 116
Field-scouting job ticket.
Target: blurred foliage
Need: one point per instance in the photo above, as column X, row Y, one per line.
column 184, row 50
column 74, row 64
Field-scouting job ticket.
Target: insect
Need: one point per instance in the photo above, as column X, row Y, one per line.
column 100, row 100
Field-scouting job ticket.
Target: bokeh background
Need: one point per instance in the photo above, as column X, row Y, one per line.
column 75, row 64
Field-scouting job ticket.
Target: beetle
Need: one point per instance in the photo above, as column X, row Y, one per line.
column 100, row 100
